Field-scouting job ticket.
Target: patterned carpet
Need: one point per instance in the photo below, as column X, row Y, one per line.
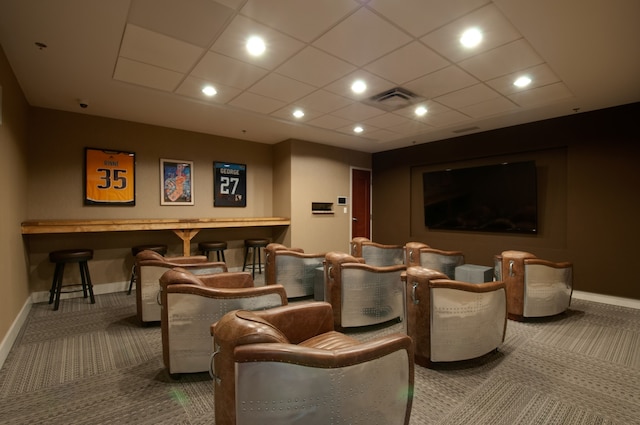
column 93, row 364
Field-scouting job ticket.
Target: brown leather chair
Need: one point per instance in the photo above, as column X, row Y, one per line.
column 377, row 254
column 292, row 268
column 420, row 254
column 535, row 287
column 362, row 294
column 190, row 304
column 287, row 365
column 150, row 266
column 450, row 320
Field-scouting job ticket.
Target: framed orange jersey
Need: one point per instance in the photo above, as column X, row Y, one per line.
column 109, row 177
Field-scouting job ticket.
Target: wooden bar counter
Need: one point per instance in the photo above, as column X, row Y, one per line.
column 186, row 229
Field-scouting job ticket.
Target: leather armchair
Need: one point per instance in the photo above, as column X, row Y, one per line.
column 190, row 304
column 420, row 254
column 292, row 268
column 362, row 294
column 535, row 287
column 377, row 254
column 150, row 266
column 287, row 365
column 450, row 320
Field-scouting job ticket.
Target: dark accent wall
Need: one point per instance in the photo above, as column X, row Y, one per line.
column 589, row 194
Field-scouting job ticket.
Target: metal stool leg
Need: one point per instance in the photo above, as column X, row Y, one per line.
column 58, row 287
column 54, row 284
column 86, row 280
column 246, row 254
column 133, row 277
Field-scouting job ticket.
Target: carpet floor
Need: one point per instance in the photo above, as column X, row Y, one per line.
column 93, row 364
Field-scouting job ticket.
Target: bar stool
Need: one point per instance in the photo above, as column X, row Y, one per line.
column 159, row 248
column 255, row 245
column 62, row 257
column 217, row 247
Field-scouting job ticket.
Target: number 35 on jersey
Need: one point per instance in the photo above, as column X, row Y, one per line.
column 109, row 177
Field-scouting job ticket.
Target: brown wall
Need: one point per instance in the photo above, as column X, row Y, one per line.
column 588, row 199
column 13, row 175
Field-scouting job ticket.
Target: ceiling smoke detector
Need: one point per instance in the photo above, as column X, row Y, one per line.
column 394, row 99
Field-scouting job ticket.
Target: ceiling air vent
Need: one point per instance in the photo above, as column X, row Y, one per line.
column 394, row 99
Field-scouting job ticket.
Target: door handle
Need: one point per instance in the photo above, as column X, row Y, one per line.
column 354, row 219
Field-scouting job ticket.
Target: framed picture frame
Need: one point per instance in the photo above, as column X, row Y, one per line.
column 229, row 184
column 176, row 182
column 109, row 177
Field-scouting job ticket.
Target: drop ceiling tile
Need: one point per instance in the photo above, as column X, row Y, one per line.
column 256, row 103
column 447, row 118
column 192, row 87
column 410, row 128
column 467, row 96
column 304, row 20
column 503, row 60
column 315, row 67
column 362, row 38
column 382, row 135
column 232, row 43
column 386, row 120
column 282, row 88
column 232, row 4
column 419, row 17
column 194, row 21
column 541, row 75
column 348, row 129
column 147, row 46
column 542, row 95
column 407, row 63
column 432, row 108
column 440, row 82
column 330, row 122
column 323, row 101
column 496, row 29
column 375, row 85
column 287, row 114
column 357, row 112
column 489, row 107
column 221, row 69
column 146, row 75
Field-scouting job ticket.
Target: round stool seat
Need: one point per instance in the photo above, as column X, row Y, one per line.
column 71, row 255
column 159, row 248
column 255, row 243
column 212, row 246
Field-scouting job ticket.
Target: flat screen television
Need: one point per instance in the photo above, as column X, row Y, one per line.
column 493, row 198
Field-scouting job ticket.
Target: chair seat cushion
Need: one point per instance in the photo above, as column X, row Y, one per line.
column 330, row 341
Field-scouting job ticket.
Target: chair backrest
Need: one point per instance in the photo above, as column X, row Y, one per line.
column 273, row 355
column 362, row 294
column 150, row 266
column 293, row 269
column 190, row 306
column 450, row 320
column 535, row 287
column 420, row 254
column 377, row 254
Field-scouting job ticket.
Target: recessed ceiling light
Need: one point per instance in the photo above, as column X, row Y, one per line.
column 358, row 129
column 523, row 81
column 420, row 110
column 256, row 46
column 209, row 90
column 298, row 113
column 471, row 37
column 358, row 86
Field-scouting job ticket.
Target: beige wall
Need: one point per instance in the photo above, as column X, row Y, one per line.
column 588, row 194
column 320, row 174
column 282, row 180
column 13, row 175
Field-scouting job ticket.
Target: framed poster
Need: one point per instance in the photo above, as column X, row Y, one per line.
column 176, row 182
column 229, row 185
column 109, row 177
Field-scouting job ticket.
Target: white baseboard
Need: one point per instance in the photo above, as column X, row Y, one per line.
column 14, row 330
column 607, row 299
column 103, row 288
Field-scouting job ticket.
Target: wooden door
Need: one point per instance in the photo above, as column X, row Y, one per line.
column 360, row 203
